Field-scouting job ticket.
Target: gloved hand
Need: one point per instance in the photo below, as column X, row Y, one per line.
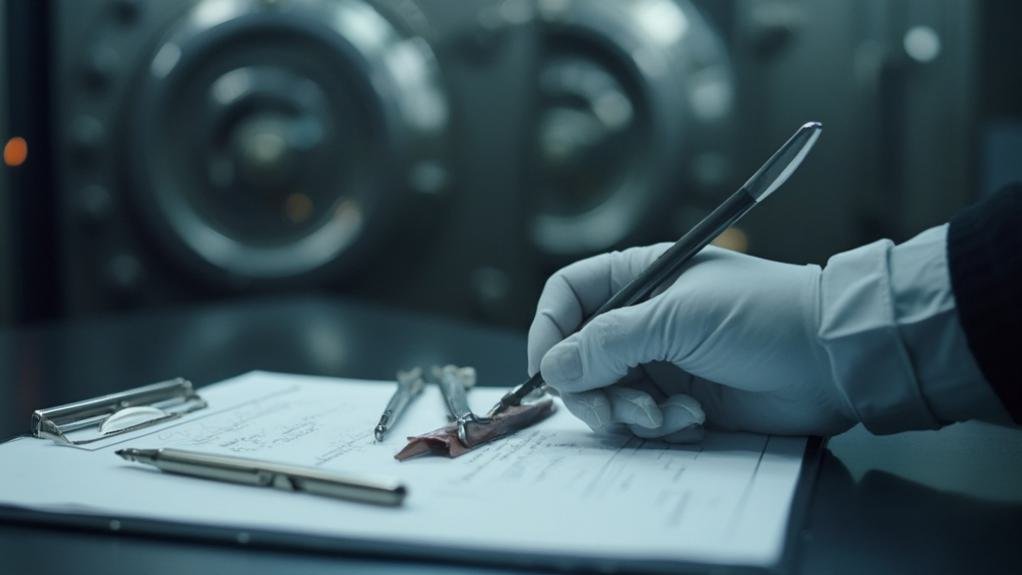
column 736, row 333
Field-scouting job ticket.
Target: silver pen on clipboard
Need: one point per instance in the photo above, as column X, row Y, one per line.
column 268, row 474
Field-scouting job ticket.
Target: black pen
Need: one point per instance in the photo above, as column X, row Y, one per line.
column 764, row 182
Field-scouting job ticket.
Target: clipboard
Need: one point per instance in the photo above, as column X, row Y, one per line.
column 372, row 549
column 355, row 544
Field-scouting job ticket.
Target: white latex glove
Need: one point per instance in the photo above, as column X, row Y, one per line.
column 736, row 333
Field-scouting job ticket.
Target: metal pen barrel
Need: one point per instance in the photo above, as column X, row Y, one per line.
column 770, row 176
column 264, row 473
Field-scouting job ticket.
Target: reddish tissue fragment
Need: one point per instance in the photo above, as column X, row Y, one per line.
column 444, row 441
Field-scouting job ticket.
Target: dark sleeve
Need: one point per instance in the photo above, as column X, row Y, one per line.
column 984, row 246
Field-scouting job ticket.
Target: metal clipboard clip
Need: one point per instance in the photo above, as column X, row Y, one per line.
column 98, row 418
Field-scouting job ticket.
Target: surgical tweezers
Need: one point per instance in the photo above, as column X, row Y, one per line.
column 453, row 383
column 409, row 386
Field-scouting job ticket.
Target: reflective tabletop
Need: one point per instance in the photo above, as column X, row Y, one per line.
column 945, row 501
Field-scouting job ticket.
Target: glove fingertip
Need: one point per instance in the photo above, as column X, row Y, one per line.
column 544, row 334
column 634, row 407
column 562, row 366
column 681, row 405
column 590, row 407
column 645, row 432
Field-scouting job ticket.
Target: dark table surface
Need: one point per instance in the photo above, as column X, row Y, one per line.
column 928, row 502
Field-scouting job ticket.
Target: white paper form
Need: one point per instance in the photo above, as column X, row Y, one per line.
column 555, row 488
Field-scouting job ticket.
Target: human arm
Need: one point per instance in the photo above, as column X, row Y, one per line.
column 764, row 346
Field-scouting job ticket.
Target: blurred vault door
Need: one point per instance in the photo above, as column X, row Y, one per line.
column 217, row 147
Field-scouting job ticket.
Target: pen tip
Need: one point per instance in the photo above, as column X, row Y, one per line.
column 378, row 432
column 140, row 455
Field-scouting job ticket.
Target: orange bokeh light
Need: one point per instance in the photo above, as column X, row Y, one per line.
column 15, row 152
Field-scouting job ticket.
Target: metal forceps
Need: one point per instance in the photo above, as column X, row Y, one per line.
column 454, row 383
column 409, row 386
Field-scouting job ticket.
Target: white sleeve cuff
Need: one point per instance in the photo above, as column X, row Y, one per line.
column 858, row 329
column 891, row 330
column 924, row 306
